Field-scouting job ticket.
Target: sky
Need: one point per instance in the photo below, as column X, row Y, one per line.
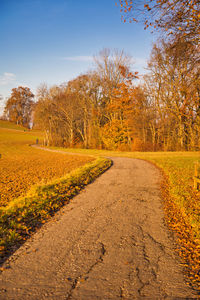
column 54, row 41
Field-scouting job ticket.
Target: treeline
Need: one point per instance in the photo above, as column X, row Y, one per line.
column 173, row 83
column 99, row 109
column 173, row 86
column 107, row 109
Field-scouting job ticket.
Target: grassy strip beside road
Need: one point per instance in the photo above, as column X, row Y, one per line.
column 182, row 207
column 23, row 215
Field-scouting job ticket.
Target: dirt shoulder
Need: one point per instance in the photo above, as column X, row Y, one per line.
column 110, row 242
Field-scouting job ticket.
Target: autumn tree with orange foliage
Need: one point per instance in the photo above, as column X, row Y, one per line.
column 19, row 106
column 75, row 113
column 127, row 128
column 174, row 78
column 176, row 17
column 106, row 109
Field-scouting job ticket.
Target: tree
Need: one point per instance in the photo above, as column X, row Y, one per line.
column 2, row 117
column 125, row 110
column 172, row 86
column 19, row 106
column 176, row 17
column 174, row 80
column 75, row 113
column 109, row 63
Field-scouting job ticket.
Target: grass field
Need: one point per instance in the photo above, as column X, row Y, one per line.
column 10, row 125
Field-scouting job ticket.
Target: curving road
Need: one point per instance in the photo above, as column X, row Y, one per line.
column 110, row 242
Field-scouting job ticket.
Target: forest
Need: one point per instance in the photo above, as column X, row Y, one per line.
column 112, row 106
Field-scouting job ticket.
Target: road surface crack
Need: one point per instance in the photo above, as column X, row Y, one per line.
column 85, row 276
column 140, row 281
column 161, row 246
column 121, row 293
column 143, row 284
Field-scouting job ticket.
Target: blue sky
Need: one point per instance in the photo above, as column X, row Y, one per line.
column 53, row 41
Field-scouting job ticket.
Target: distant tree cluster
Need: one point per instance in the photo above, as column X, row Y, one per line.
column 106, row 109
column 85, row 111
column 19, row 106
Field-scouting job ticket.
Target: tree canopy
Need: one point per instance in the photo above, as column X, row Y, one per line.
column 19, row 106
column 176, row 17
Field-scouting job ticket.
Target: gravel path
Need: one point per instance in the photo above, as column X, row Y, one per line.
column 110, row 242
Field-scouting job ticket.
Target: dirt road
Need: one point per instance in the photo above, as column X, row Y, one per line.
column 110, row 242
